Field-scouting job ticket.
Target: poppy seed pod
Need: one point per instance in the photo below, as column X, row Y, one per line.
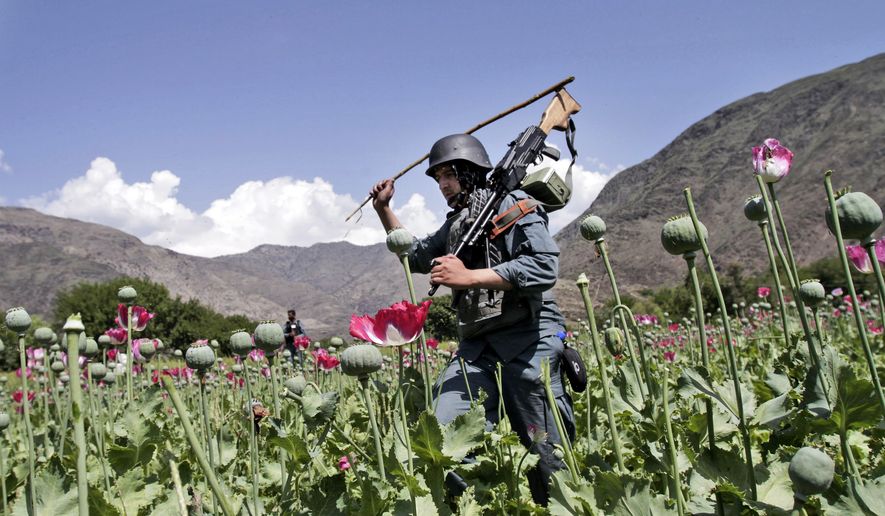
column 811, row 471
column 104, row 341
column 88, row 347
column 127, row 294
column 592, row 228
column 296, row 385
column 582, row 281
column 678, row 235
column 200, row 357
column 269, row 337
column 214, row 343
column 240, row 343
column 812, row 292
column 4, row 421
column 98, row 371
column 399, row 241
column 614, row 340
column 859, row 215
column 754, row 209
column 336, row 341
column 43, row 335
column 57, row 366
column 148, row 348
column 361, row 360
column 109, row 378
column 74, row 324
column 177, row 353
column 18, row 320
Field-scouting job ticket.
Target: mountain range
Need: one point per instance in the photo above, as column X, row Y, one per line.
column 834, row 120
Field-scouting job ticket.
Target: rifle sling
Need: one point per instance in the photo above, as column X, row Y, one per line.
column 504, row 221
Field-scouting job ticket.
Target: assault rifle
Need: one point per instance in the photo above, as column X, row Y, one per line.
column 524, row 151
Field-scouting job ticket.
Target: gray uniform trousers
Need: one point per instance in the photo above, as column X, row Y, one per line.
column 524, row 397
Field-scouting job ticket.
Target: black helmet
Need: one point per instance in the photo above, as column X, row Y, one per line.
column 461, row 147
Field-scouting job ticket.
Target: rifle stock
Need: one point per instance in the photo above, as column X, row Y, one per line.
column 559, row 110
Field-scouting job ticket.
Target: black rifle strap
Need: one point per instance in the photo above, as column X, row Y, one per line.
column 570, row 141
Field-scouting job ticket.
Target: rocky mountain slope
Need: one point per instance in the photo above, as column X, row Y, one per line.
column 41, row 255
column 834, row 120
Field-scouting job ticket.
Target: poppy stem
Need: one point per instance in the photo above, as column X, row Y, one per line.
column 671, row 443
column 73, row 341
column 702, row 338
column 732, row 362
column 564, row 439
column 763, row 226
column 422, row 339
column 364, row 388
column 183, row 417
column 583, row 286
column 253, row 444
column 603, row 252
column 789, row 264
column 130, row 360
column 846, row 270
column 29, row 430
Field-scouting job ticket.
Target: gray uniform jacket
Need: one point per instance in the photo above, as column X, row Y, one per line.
column 529, row 261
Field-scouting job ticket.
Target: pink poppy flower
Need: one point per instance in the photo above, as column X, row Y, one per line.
column 344, row 463
column 836, row 292
column 874, row 328
column 140, row 317
column 394, row 326
column 669, row 356
column 432, row 343
column 763, row 292
column 772, row 161
column 256, row 355
column 117, row 335
column 673, row 327
column 301, row 342
column 859, row 258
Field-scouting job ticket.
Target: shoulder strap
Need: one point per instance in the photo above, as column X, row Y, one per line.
column 504, row 221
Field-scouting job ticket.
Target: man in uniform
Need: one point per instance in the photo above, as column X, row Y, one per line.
column 507, row 313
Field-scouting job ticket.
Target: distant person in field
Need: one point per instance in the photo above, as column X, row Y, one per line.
column 293, row 328
column 507, row 314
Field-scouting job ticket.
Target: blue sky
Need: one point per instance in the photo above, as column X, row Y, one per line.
column 212, row 127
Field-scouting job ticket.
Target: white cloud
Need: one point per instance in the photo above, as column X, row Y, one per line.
column 586, row 185
column 283, row 211
column 4, row 166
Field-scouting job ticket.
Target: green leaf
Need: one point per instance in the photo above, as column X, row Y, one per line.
column 773, row 411
column 640, row 500
column 723, row 468
column 696, row 382
column 52, row 499
column 427, row 441
column 134, row 493
column 318, row 409
column 567, row 499
column 99, row 504
column 467, row 504
column 774, row 485
column 627, row 394
column 872, row 495
column 464, row 434
column 325, row 496
column 124, row 458
column 294, row 446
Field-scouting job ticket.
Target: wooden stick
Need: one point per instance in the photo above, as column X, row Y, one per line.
column 473, row 129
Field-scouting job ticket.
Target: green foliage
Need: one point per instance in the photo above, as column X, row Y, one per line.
column 442, row 322
column 178, row 322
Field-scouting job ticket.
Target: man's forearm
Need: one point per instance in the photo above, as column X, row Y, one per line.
column 388, row 219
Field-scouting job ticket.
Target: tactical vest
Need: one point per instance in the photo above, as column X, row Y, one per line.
column 482, row 311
